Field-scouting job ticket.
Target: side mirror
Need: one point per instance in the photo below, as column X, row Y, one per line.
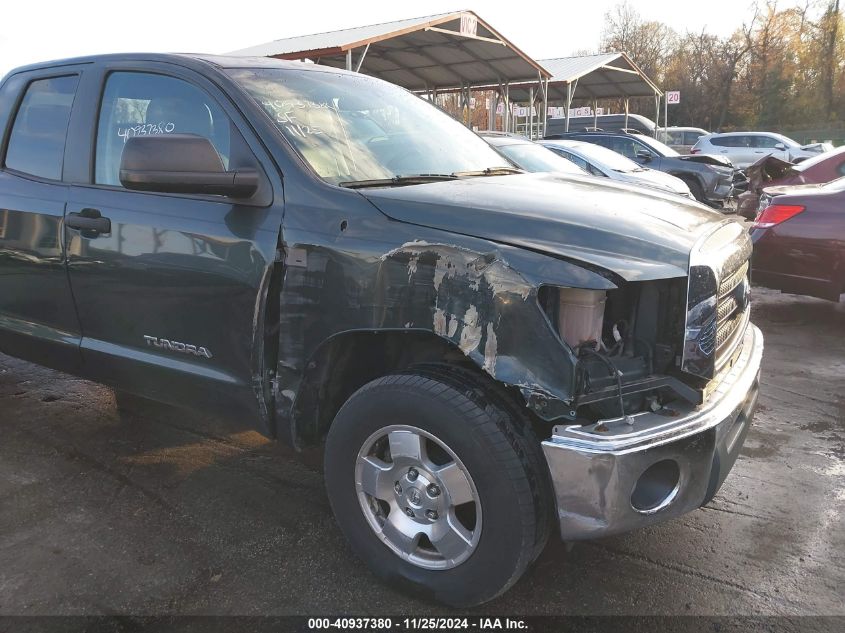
column 644, row 155
column 181, row 163
column 780, row 146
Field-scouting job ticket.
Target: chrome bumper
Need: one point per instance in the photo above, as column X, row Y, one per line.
column 612, row 477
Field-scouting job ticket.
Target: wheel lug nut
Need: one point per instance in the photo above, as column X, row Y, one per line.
column 433, row 490
column 409, row 512
column 413, row 474
column 397, row 488
column 431, row 514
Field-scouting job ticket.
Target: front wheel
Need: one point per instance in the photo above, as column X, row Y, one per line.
column 436, row 487
column 696, row 189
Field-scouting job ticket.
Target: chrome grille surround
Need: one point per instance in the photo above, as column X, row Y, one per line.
column 717, row 299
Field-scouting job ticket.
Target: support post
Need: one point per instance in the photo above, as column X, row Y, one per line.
column 531, row 112
column 656, row 113
column 507, row 121
column 361, row 59
column 595, row 113
column 626, row 111
column 545, row 106
column 568, row 105
column 349, row 59
column 665, row 116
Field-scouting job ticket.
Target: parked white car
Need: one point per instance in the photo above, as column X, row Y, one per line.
column 746, row 148
column 600, row 161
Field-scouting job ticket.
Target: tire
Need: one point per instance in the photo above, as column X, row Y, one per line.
column 474, row 451
column 695, row 189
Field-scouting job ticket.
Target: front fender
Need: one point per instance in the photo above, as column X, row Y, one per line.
column 487, row 308
column 478, row 296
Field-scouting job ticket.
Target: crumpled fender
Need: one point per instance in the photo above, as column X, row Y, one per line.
column 485, row 306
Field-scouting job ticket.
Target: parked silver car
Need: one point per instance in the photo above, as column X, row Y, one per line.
column 681, row 139
column 746, row 148
column 528, row 155
column 600, row 161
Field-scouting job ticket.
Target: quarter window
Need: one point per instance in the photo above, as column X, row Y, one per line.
column 141, row 104
column 37, row 142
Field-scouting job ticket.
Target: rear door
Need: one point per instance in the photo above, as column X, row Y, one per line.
column 37, row 317
column 171, row 289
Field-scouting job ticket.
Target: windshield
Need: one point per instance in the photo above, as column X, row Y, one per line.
column 607, row 157
column 660, row 148
column 534, row 158
column 352, row 128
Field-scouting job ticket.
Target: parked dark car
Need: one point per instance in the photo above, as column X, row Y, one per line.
column 709, row 178
column 606, row 122
column 774, row 172
column 484, row 354
column 799, row 240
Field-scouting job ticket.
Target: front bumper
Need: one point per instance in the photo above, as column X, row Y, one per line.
column 612, row 477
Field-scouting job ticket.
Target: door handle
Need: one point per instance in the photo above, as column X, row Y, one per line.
column 88, row 220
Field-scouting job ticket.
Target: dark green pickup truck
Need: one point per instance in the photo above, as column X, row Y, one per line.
column 485, row 354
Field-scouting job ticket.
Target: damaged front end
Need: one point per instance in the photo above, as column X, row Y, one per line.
column 686, row 369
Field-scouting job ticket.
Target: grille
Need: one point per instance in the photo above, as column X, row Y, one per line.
column 731, row 313
column 732, row 280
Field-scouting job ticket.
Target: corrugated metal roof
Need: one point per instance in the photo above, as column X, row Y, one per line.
column 602, row 76
column 344, row 38
column 571, row 68
column 425, row 53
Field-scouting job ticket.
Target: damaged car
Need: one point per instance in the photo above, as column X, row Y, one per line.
column 799, row 240
column 484, row 356
column 711, row 179
column 771, row 171
column 745, row 148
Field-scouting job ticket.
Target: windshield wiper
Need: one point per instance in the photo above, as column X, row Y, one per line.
column 491, row 171
column 397, row 181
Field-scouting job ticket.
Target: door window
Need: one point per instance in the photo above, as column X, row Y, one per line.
column 37, row 142
column 691, row 138
column 573, row 158
column 674, row 137
column 729, row 141
column 622, row 145
column 767, row 142
column 142, row 104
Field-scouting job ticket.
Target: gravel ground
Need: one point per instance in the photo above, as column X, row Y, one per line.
column 157, row 511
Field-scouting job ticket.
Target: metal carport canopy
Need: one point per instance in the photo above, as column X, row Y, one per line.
column 447, row 51
column 592, row 78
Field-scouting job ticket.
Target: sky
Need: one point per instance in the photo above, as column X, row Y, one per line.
column 34, row 30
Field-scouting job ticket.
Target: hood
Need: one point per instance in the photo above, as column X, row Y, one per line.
column 707, row 159
column 767, row 169
column 636, row 233
column 817, row 148
column 656, row 180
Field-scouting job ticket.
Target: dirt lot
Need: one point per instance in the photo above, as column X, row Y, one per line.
column 157, row 511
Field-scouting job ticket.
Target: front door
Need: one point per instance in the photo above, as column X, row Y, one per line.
column 170, row 288
column 37, row 317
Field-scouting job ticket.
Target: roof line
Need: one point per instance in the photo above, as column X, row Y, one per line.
column 351, row 28
column 448, row 17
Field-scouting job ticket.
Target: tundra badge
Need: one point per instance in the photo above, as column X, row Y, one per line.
column 175, row 346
